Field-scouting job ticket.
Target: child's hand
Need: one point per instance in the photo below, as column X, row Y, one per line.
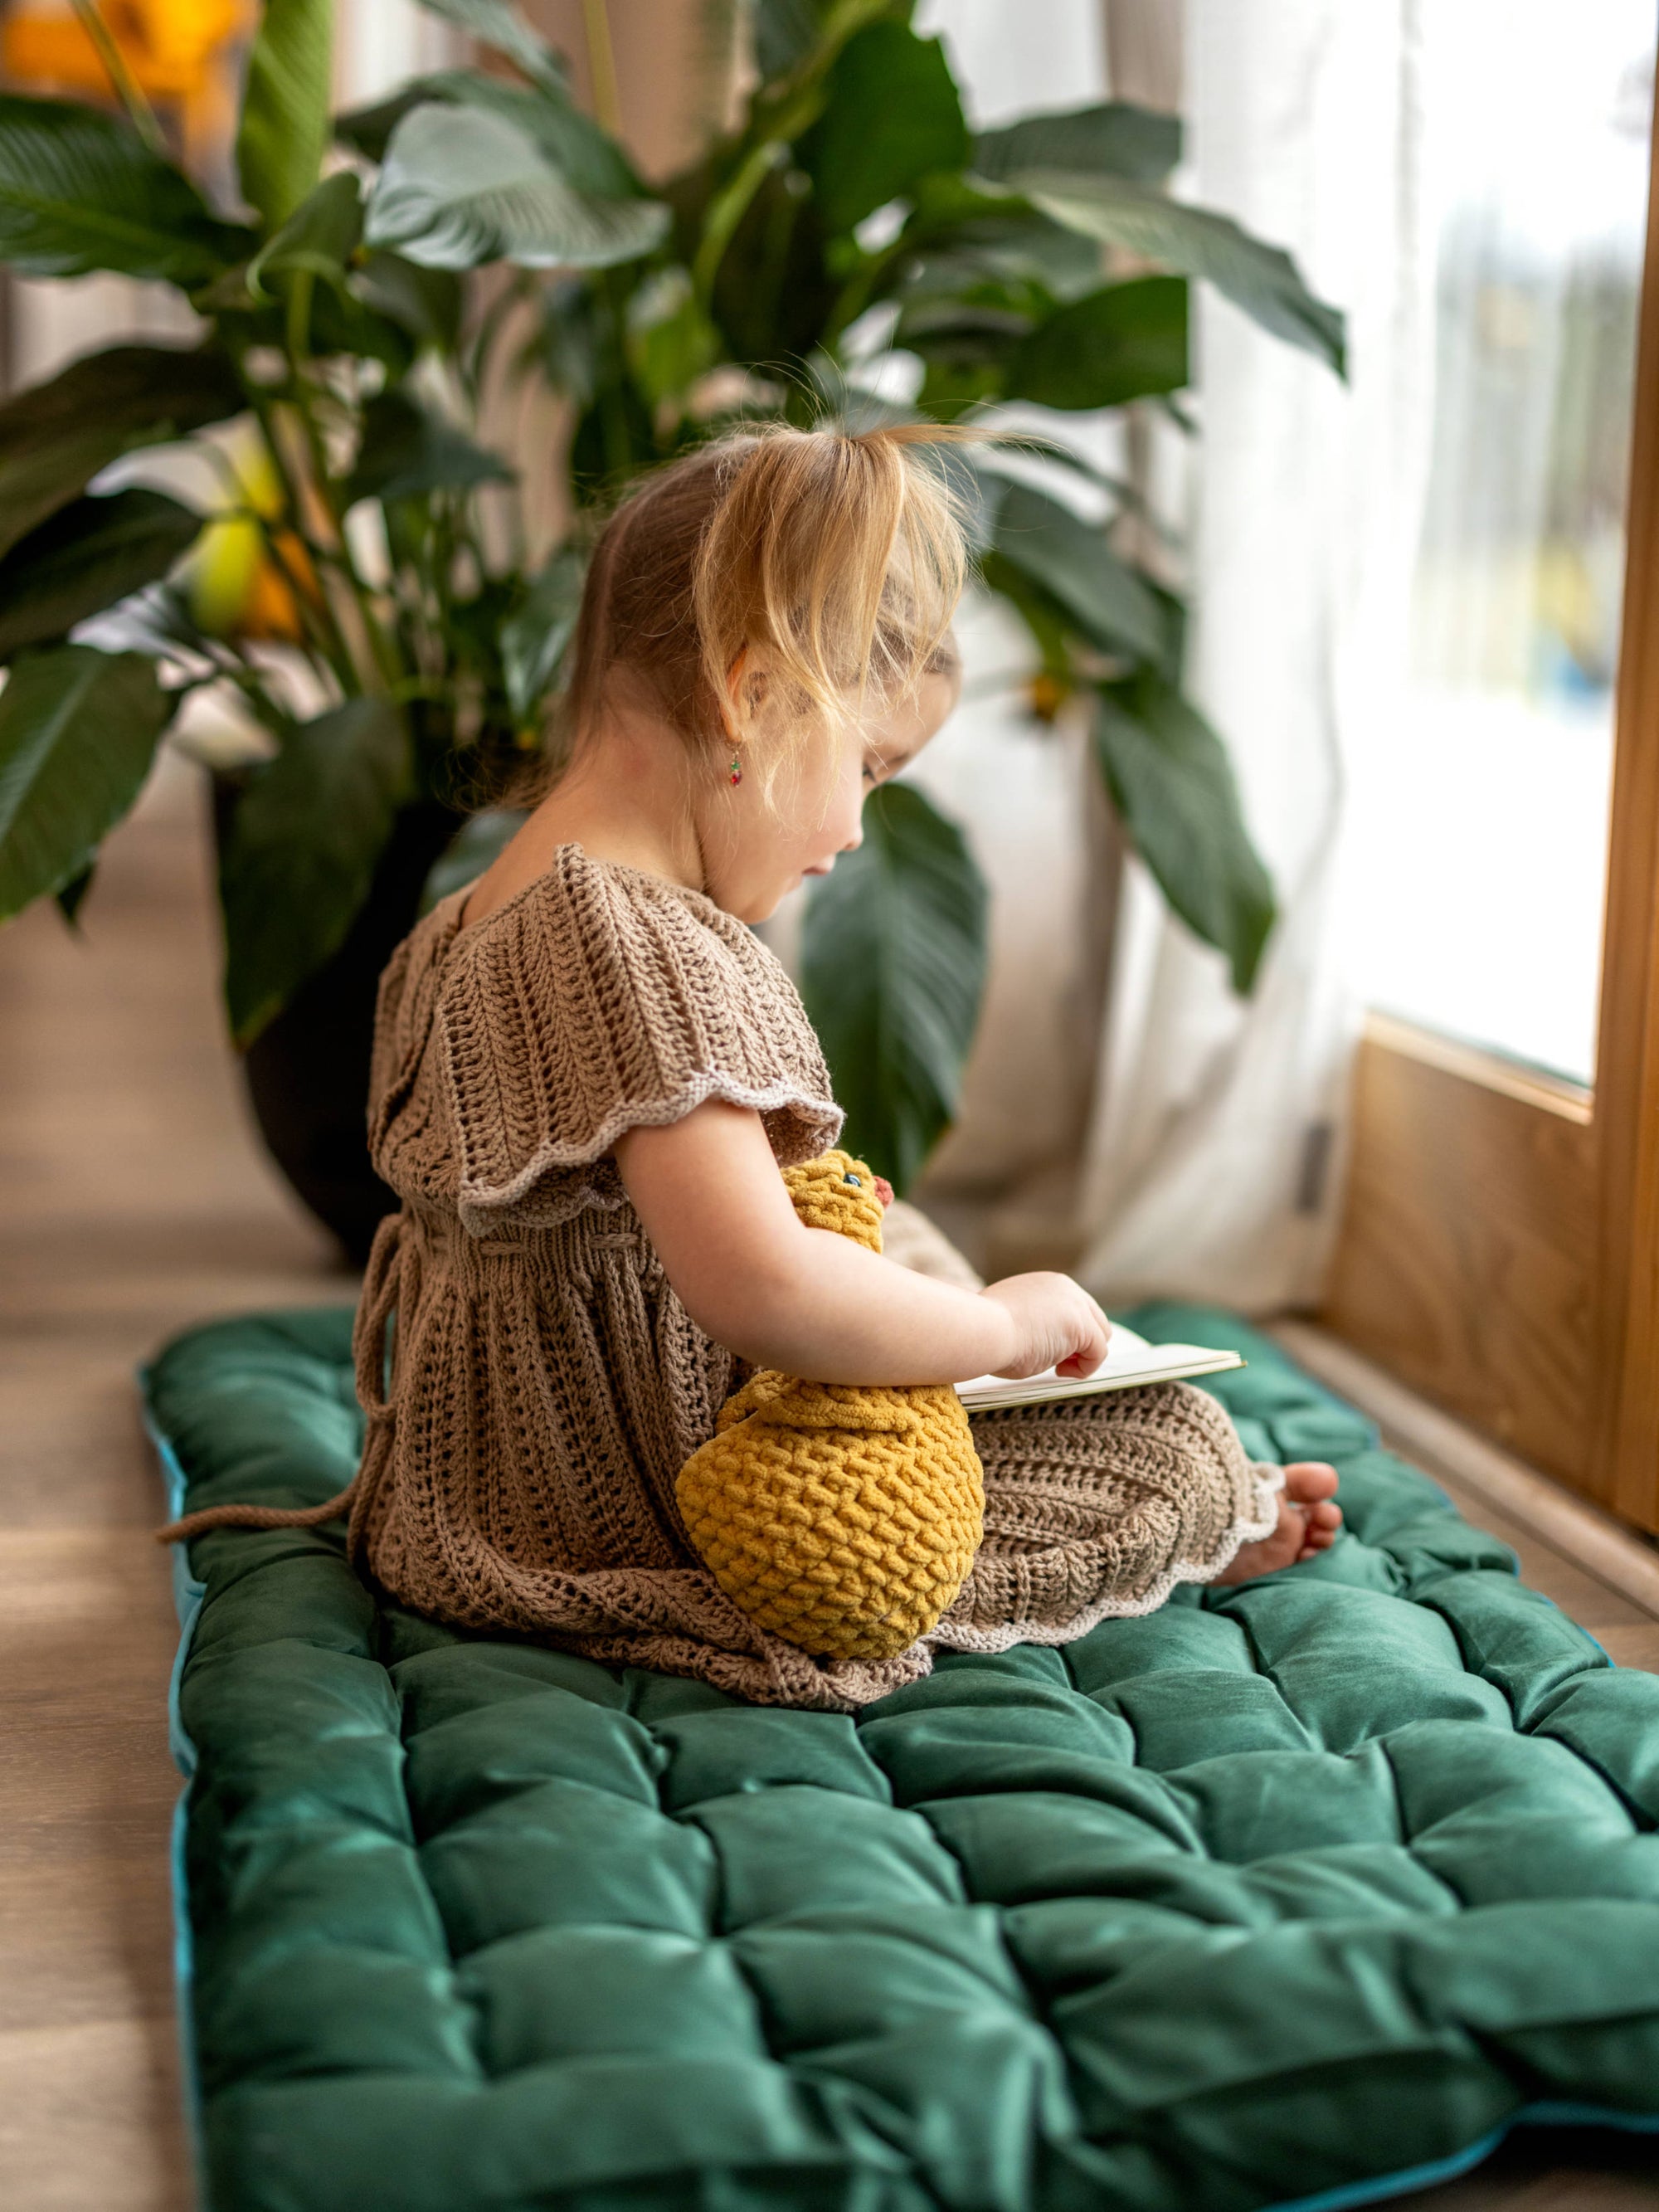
column 1055, row 1323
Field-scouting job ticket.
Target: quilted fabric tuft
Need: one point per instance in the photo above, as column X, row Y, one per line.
column 1293, row 1888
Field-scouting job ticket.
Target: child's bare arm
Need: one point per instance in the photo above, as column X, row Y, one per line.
column 707, row 1191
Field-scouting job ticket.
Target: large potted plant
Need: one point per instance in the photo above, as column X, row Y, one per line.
column 389, row 631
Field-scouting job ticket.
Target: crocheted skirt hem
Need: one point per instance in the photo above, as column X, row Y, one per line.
column 1265, row 1484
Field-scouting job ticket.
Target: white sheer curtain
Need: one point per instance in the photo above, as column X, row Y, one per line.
column 1123, row 1113
column 1212, row 1159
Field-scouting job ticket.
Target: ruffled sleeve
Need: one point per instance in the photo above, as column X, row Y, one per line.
column 604, row 1000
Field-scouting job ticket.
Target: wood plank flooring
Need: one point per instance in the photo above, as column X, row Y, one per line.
column 133, row 1200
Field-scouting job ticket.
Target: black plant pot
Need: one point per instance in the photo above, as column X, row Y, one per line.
column 308, row 1071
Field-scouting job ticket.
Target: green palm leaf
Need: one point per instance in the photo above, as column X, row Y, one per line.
column 1073, row 562
column 84, row 558
column 1260, row 279
column 892, row 969
column 301, row 853
column 1124, row 341
column 495, row 23
column 319, row 239
column 1173, row 785
column 892, row 114
column 407, row 451
column 462, row 185
column 78, row 729
column 284, row 127
column 1113, row 139
column 80, row 192
column 574, row 144
column 55, row 437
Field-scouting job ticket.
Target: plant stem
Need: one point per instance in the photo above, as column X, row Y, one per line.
column 473, row 367
column 778, row 123
column 602, row 65
column 613, row 413
column 728, row 211
column 337, row 556
column 126, row 86
column 855, row 294
column 316, row 614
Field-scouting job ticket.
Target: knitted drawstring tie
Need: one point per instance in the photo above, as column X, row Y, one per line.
column 391, row 1282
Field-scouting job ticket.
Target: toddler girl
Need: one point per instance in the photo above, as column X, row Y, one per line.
column 588, row 1071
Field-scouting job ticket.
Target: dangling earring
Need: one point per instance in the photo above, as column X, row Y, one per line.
column 734, row 774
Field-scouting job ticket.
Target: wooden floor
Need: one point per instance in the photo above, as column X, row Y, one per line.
column 133, row 1200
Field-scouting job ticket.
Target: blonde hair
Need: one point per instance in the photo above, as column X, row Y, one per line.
column 835, row 558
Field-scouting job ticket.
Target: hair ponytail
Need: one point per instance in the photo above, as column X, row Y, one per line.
column 836, row 559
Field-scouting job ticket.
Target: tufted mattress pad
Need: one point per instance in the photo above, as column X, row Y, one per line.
column 1300, row 1892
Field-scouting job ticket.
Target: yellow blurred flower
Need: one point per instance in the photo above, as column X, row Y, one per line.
column 168, row 45
column 233, row 584
column 1046, row 695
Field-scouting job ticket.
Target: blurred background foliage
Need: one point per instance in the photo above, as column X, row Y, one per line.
column 367, row 579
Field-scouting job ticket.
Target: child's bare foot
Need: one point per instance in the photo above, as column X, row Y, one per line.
column 1308, row 1521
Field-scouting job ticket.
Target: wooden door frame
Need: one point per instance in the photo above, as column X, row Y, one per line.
column 1500, row 1244
column 1624, row 1466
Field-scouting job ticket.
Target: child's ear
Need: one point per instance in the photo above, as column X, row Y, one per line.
column 746, row 690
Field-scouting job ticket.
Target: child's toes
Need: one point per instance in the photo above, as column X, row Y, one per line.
column 1323, row 1524
column 1309, row 1480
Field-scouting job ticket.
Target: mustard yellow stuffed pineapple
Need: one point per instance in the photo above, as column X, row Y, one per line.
column 844, row 1517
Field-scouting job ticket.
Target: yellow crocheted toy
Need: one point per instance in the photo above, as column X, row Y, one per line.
column 843, row 1517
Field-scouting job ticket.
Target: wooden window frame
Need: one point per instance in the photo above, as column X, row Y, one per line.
column 1500, row 1247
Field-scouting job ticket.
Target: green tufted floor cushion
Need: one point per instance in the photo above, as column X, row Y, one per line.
column 1300, row 1892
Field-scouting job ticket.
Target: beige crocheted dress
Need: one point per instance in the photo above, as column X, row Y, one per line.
column 533, row 1384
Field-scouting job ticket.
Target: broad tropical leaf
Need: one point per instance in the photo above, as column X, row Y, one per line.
column 301, row 853
column 574, row 145
column 84, row 558
column 80, row 192
column 497, row 23
column 533, row 640
column 1113, row 139
column 55, row 437
column 1173, row 786
column 319, row 238
column 344, row 313
column 1260, row 279
column 284, row 129
column 72, row 896
column 892, row 114
column 1074, row 561
column 463, row 185
column 78, row 729
column 425, row 302
column 1124, row 341
column 892, row 969
column 407, row 451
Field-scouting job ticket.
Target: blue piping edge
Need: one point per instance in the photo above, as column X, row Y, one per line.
column 187, row 1595
column 1382, row 2186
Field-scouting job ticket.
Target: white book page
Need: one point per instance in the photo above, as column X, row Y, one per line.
column 1130, row 1361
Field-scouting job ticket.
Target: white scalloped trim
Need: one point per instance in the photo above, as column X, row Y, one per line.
column 1267, row 1483
column 481, row 1205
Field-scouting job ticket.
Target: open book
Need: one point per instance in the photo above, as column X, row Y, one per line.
column 1130, row 1360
